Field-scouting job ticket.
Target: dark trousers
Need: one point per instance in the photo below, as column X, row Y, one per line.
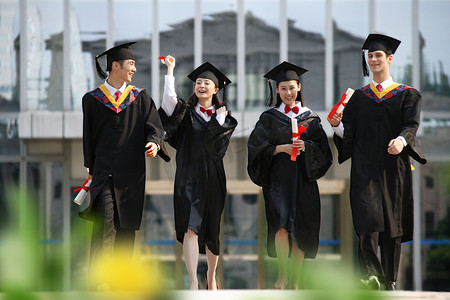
column 107, row 235
column 390, row 248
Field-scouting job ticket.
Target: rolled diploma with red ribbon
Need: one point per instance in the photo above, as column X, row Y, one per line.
column 163, row 59
column 338, row 108
column 83, row 191
column 295, row 136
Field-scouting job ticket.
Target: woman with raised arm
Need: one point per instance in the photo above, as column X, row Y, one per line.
column 200, row 130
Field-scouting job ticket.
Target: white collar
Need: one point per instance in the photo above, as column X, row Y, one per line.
column 291, row 114
column 385, row 84
column 112, row 90
column 204, row 115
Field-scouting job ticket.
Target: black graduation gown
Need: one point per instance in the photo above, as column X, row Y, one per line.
column 290, row 189
column 200, row 183
column 114, row 142
column 381, row 184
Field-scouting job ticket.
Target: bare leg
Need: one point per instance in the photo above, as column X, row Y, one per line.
column 191, row 254
column 282, row 248
column 297, row 261
column 212, row 260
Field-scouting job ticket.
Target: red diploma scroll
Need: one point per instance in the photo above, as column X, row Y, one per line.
column 162, row 58
column 342, row 103
column 82, row 192
column 296, row 132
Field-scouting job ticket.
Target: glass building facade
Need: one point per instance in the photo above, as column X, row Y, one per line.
column 47, row 53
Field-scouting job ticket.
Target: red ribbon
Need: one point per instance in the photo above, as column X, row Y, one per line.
column 163, row 58
column 296, row 135
column 84, row 187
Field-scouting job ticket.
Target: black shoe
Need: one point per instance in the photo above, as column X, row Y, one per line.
column 371, row 283
column 390, row 286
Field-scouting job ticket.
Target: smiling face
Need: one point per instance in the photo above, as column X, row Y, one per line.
column 379, row 61
column 126, row 69
column 204, row 89
column 288, row 91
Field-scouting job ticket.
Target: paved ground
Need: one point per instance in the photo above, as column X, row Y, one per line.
column 237, row 295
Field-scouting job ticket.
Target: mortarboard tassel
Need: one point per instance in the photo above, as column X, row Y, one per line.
column 364, row 65
column 100, row 71
column 270, row 98
column 224, row 97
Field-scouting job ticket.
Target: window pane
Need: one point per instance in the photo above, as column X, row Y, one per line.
column 349, row 35
column 176, row 29
column 398, row 25
column 435, row 90
column 262, row 49
column 88, row 32
column 9, row 136
column 240, row 240
column 9, row 178
column 9, row 55
column 158, row 226
column 219, row 45
column 306, row 21
column 45, row 59
column 433, row 21
column 136, row 26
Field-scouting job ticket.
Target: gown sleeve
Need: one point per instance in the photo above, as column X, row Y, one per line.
column 410, row 123
column 172, row 125
column 318, row 157
column 344, row 144
column 88, row 145
column 222, row 134
column 154, row 131
column 260, row 152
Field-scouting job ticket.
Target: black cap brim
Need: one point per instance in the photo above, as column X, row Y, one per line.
column 284, row 72
column 375, row 42
column 209, row 71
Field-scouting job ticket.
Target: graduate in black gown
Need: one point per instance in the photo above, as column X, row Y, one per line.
column 378, row 132
column 200, row 130
column 290, row 188
column 121, row 126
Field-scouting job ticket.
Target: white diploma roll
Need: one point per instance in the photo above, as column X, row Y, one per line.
column 348, row 95
column 294, row 125
column 82, row 193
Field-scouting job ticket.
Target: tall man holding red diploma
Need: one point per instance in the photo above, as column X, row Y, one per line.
column 121, row 126
column 378, row 132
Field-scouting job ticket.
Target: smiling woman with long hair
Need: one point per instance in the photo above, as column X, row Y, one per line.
column 287, row 170
column 200, row 131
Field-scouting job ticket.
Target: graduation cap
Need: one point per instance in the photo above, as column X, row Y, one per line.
column 208, row 71
column 283, row 72
column 116, row 53
column 376, row 42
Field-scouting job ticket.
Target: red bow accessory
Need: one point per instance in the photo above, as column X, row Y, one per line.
column 288, row 109
column 342, row 103
column 82, row 192
column 296, row 132
column 208, row 111
column 379, row 88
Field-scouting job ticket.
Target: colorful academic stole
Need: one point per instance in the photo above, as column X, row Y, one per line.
column 371, row 91
column 126, row 98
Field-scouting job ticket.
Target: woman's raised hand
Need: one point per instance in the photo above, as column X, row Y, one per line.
column 169, row 61
column 222, row 110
